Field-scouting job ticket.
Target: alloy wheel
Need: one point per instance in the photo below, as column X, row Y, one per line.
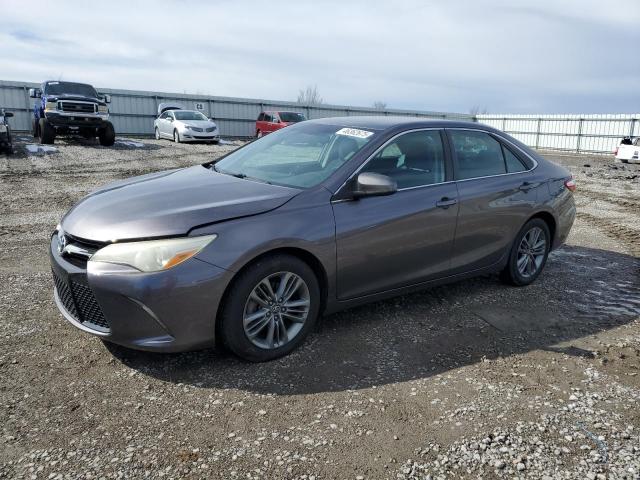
column 276, row 310
column 531, row 252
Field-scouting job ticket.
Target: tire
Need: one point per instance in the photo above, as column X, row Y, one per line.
column 157, row 134
column 46, row 132
column 238, row 303
column 533, row 262
column 258, row 134
column 107, row 135
column 176, row 136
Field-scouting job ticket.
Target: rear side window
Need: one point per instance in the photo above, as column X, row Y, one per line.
column 478, row 154
column 412, row 160
column 261, row 117
column 513, row 163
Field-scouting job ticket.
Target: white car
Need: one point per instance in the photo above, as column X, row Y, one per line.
column 628, row 151
column 181, row 125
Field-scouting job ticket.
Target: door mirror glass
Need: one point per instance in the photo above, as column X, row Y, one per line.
column 35, row 93
column 107, row 98
column 8, row 114
column 369, row 184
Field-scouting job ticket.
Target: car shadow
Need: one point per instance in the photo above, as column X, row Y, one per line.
column 582, row 291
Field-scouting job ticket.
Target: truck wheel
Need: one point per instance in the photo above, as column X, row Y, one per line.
column 107, row 135
column 46, row 132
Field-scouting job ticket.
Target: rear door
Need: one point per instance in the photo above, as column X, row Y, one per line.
column 404, row 238
column 496, row 195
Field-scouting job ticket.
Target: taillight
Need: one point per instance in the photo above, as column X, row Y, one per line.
column 570, row 184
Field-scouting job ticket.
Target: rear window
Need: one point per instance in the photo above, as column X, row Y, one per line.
column 291, row 117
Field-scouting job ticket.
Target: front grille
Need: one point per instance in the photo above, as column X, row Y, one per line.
column 64, row 293
column 210, row 129
column 196, row 129
column 87, row 305
column 78, row 107
column 79, row 301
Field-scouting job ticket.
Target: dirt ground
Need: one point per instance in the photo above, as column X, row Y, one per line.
column 471, row 380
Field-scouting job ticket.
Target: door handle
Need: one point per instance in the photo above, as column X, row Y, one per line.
column 526, row 186
column 446, row 202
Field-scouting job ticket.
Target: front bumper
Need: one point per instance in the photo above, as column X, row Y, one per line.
column 192, row 136
column 167, row 311
column 62, row 119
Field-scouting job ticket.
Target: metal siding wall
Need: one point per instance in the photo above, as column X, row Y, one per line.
column 576, row 133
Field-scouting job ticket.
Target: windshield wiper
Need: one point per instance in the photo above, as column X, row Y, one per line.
column 239, row 175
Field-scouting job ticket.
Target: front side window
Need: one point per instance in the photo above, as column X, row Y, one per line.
column 478, row 154
column 412, row 159
column 299, row 156
column 261, row 117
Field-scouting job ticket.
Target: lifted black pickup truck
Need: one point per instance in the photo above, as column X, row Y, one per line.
column 5, row 132
column 66, row 108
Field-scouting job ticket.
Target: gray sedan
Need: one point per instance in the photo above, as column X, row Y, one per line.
column 314, row 218
column 185, row 126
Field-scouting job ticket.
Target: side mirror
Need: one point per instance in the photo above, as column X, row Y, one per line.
column 35, row 93
column 369, row 184
column 107, row 98
column 8, row 114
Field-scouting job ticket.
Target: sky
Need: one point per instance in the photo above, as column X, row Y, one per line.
column 503, row 56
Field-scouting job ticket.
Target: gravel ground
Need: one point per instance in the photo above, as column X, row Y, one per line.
column 471, row 380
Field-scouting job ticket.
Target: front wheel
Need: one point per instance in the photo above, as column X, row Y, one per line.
column 270, row 308
column 528, row 254
column 157, row 134
column 176, row 136
column 107, row 135
column 46, row 132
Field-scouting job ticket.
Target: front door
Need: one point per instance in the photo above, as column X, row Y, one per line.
column 404, row 238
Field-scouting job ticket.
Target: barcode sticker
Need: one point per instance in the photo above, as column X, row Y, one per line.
column 354, row 132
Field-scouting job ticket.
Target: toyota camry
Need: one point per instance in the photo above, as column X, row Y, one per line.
column 249, row 250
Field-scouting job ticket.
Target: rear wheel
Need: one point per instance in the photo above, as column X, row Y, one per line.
column 528, row 254
column 46, row 132
column 258, row 134
column 107, row 135
column 270, row 309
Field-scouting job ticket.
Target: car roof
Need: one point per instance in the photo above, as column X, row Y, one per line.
column 383, row 122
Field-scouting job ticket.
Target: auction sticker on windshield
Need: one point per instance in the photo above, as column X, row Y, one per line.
column 354, row 132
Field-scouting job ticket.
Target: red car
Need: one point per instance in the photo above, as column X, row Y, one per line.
column 271, row 121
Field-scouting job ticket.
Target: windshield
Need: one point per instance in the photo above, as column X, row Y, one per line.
column 300, row 156
column 291, row 117
column 70, row 88
column 188, row 115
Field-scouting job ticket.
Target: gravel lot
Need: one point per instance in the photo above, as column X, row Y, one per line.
column 471, row 380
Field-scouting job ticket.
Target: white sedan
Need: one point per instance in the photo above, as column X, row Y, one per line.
column 628, row 151
column 185, row 126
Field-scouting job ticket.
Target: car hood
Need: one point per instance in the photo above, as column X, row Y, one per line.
column 169, row 203
column 197, row 123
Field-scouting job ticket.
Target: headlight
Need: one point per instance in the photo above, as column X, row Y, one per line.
column 153, row 255
column 103, row 109
column 51, row 106
column 3, row 128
